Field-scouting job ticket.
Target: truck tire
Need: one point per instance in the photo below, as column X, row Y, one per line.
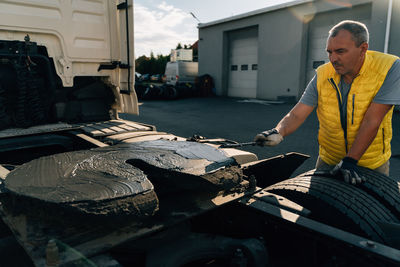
column 194, row 248
column 338, row 204
column 384, row 188
column 170, row 92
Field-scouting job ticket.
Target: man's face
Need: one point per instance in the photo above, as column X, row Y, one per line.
column 344, row 55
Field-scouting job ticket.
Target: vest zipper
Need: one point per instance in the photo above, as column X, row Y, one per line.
column 352, row 111
column 383, row 140
column 342, row 117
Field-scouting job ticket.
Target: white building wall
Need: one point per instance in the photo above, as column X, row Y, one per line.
column 283, row 43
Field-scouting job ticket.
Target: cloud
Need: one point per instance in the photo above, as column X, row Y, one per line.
column 161, row 28
column 165, row 7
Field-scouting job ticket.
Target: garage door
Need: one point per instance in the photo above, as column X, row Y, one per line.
column 318, row 33
column 243, row 54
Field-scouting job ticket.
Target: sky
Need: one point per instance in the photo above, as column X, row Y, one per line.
column 159, row 25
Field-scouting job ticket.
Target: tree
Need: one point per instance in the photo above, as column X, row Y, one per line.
column 179, row 46
column 152, row 64
column 161, row 63
column 142, row 64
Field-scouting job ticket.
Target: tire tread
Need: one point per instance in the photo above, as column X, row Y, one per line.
column 364, row 210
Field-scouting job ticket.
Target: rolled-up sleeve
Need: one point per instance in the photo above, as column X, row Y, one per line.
column 389, row 93
column 310, row 95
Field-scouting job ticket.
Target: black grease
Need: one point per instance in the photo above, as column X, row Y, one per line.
column 86, row 179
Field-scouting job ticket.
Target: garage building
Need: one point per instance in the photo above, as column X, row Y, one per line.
column 272, row 53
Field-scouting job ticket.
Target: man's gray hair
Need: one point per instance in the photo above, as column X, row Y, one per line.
column 357, row 29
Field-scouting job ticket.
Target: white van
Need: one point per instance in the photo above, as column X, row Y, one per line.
column 181, row 72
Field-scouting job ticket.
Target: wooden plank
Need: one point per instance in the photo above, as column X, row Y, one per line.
column 141, row 126
column 112, row 127
column 116, row 128
column 89, row 139
column 128, row 127
column 3, row 172
column 101, row 128
column 91, row 131
column 132, row 135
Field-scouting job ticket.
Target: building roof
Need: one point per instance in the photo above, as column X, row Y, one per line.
column 254, row 13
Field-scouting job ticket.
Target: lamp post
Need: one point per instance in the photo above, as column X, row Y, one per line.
column 191, row 13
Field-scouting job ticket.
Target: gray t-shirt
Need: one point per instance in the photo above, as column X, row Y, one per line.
column 389, row 93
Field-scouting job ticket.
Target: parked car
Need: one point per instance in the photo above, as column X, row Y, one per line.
column 155, row 78
column 137, row 76
column 145, row 77
column 181, row 72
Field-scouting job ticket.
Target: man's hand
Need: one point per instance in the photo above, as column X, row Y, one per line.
column 349, row 170
column 268, row 138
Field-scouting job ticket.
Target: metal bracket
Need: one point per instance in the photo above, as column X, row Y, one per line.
column 113, row 65
column 122, row 5
column 125, row 92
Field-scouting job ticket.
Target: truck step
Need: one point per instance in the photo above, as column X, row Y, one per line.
column 107, row 128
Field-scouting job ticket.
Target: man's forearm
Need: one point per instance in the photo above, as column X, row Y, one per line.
column 288, row 124
column 368, row 129
column 294, row 119
column 366, row 134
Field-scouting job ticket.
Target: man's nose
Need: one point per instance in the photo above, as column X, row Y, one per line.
column 333, row 57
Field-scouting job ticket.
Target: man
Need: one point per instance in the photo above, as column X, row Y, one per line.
column 354, row 95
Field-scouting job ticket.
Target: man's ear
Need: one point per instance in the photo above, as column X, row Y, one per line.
column 364, row 48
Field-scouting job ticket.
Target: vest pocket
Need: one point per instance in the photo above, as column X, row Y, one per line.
column 352, row 110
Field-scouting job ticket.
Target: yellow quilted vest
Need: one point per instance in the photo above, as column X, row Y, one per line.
column 334, row 142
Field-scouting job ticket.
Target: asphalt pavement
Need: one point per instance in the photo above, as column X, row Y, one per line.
column 240, row 120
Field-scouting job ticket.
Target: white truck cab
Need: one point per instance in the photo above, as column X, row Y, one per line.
column 66, row 61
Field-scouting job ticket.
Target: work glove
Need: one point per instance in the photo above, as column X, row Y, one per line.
column 349, row 170
column 268, row 138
